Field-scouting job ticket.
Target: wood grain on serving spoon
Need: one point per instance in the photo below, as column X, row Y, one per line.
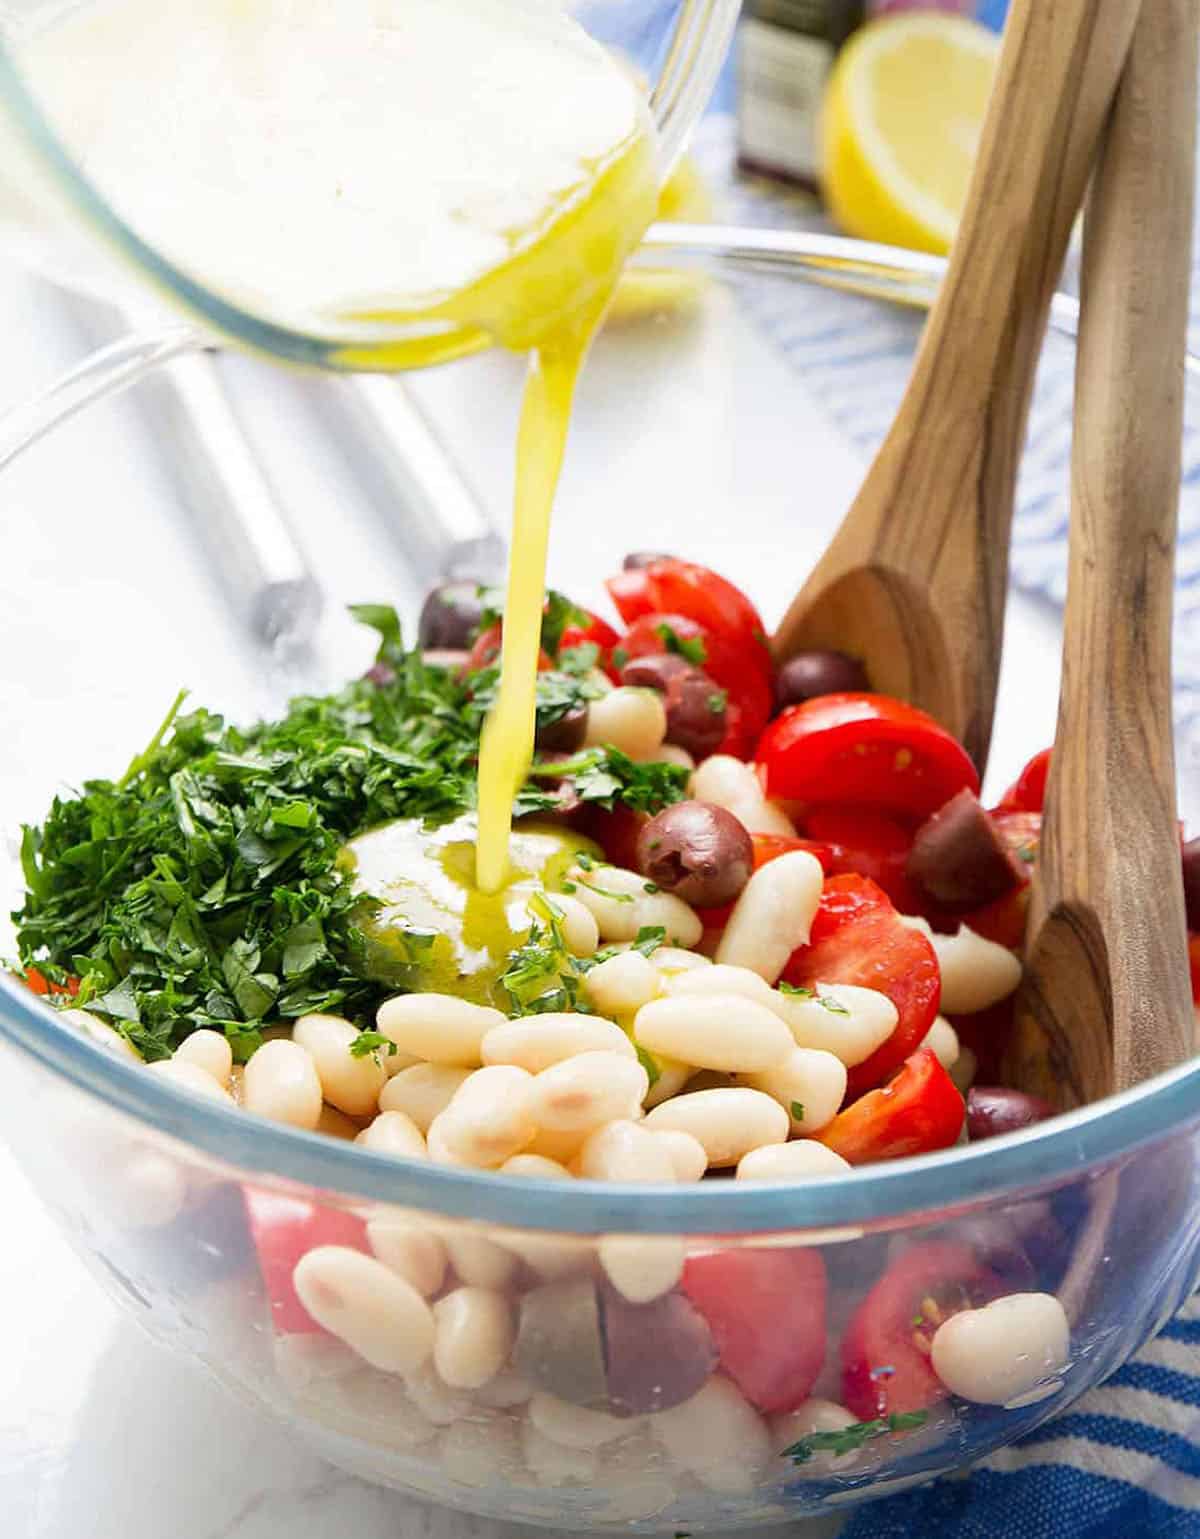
column 914, row 581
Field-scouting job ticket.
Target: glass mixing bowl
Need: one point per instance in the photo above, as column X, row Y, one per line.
column 692, row 432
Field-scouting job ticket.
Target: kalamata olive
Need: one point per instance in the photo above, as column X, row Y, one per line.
column 636, row 559
column 959, row 859
column 818, row 673
column 564, row 735
column 698, row 851
column 658, row 1354
column 1191, row 882
column 560, row 1345
column 654, row 671
column 695, row 704
column 992, row 1110
column 450, row 615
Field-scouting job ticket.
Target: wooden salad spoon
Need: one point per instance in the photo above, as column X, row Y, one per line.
column 1107, row 1000
column 914, row 581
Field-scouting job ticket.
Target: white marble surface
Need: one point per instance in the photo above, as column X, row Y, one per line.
column 102, row 1435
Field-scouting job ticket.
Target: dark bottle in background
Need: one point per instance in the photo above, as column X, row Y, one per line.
column 786, row 50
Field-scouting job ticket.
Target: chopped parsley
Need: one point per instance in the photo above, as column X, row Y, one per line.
column 542, row 974
column 606, row 776
column 798, row 1111
column 855, row 1436
column 826, row 1001
column 690, row 648
column 368, row 1042
column 650, row 1063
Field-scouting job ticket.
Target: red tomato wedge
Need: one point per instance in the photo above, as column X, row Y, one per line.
column 283, row 1230
column 915, row 1113
column 742, row 670
column 486, row 652
column 767, row 847
column 1028, row 791
column 857, row 937
column 601, row 634
column 885, row 1352
column 866, row 843
column 766, row 1310
column 615, row 831
column 37, row 983
column 686, row 588
column 867, row 749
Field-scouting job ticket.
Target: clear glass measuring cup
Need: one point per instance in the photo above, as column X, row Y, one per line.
column 56, row 215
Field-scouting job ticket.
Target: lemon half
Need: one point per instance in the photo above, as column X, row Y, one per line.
column 901, row 123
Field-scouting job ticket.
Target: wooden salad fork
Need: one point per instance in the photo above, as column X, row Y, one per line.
column 914, row 581
column 1107, row 1000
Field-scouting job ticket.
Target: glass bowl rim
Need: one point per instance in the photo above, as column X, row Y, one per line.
column 963, row 1178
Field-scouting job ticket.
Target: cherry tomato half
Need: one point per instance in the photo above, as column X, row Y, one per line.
column 686, row 588
column 283, row 1230
column 1028, row 791
column 766, row 1310
column 486, row 652
column 37, row 983
column 915, row 1113
column 867, row 749
column 615, row 830
column 857, row 937
column 885, row 1352
column 601, row 634
column 866, row 843
column 767, row 847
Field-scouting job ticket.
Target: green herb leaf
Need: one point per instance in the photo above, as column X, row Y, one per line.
column 798, row 992
column 692, row 647
column 798, row 1111
column 717, row 701
column 649, row 938
column 384, row 619
column 649, row 1063
column 558, row 614
column 853, row 1437
column 371, row 1042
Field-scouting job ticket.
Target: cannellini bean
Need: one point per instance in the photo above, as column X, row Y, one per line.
column 726, row 1123
column 813, row 1416
column 687, row 1155
column 336, row 1124
column 351, row 1084
column 535, row 1165
column 504, row 1390
column 623, row 902
column 190, row 1076
column 773, row 914
column 622, row 983
column 963, row 1073
column 478, row 1261
column 672, row 960
column 579, row 928
column 440, row 1150
column 101, row 1033
column 434, row 1398
column 1003, row 1353
column 720, row 978
column 809, row 1084
column 550, row 1256
column 629, row 719
column 671, row 753
column 841, row 1018
column 408, row 1248
column 422, row 1091
column 302, row 1360
column 554, row 1464
column 473, row 1335
column 481, row 1449
column 624, row 1151
column 393, row 1132
column 493, row 1114
column 976, row 973
column 582, row 1092
column 714, row 1031
column 366, row 1305
column 642, row 1267
column 672, row 1077
column 208, row 1050
column 575, row 1426
column 795, row 1161
column 560, row 1147
column 437, row 1027
column 535, row 1042
column 943, row 1039
column 281, row 1082
column 734, row 785
column 718, row 1436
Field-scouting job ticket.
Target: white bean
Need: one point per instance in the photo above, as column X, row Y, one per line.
column 422, row 1091
column 734, row 785
column 492, row 1115
column 575, row 1426
column 720, row 978
column 976, row 973
column 281, row 1082
column 434, row 1398
column 554, row 1464
column 718, row 1436
column 473, row 1335
column 506, row 1389
column 687, row 1155
column 584, row 1091
column 1002, row 1353
column 560, row 1147
column 623, row 903
column 393, row 1132
column 624, row 1151
column 727, row 1123
column 963, row 1073
column 210, row 1051
column 629, row 719
column 440, row 1150
column 437, row 1027
column 672, row 1077
column 366, row 1305
column 191, row 1077
column 536, row 1166
column 535, row 1042
column 351, row 1084
column 809, row 1084
column 813, row 1416
column 839, row 1018
column 673, row 960
column 943, row 1040
column 773, row 914
column 714, row 1031
column 579, row 928
column 408, row 1248
column 101, row 1033
column 478, row 1261
column 642, row 1267
column 795, row 1161
column 622, row 983
column 671, row 753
